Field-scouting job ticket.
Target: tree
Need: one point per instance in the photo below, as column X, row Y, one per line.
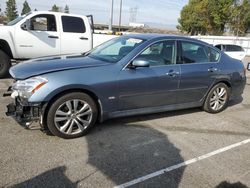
column 55, row 8
column 193, row 18
column 220, row 11
column 66, row 9
column 26, row 8
column 11, row 10
column 205, row 16
column 240, row 18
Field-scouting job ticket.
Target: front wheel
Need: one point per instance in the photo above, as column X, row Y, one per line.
column 217, row 99
column 72, row 115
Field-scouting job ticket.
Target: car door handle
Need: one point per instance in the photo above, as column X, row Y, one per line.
column 53, row 37
column 172, row 73
column 212, row 69
column 84, row 38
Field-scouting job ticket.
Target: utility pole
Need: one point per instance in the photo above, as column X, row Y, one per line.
column 111, row 15
column 120, row 17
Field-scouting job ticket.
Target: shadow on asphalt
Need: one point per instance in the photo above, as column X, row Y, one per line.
column 51, row 178
column 121, row 152
column 124, row 152
column 231, row 185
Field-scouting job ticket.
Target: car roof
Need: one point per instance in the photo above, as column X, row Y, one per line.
column 57, row 13
column 155, row 36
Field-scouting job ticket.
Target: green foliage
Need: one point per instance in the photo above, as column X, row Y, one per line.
column 240, row 18
column 220, row 11
column 213, row 16
column 55, row 8
column 193, row 18
column 26, row 8
column 66, row 9
column 11, row 10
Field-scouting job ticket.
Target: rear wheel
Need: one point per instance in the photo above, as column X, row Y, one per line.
column 5, row 64
column 72, row 115
column 217, row 99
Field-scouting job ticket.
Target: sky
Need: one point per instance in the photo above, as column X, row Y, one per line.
column 161, row 12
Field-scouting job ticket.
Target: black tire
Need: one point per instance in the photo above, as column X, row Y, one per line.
column 209, row 105
column 5, row 64
column 61, row 105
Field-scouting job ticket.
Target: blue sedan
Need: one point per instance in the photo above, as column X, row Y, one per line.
column 129, row 75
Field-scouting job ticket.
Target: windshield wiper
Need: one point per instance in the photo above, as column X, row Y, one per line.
column 85, row 54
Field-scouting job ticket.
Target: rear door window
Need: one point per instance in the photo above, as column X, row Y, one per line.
column 194, row 53
column 73, row 24
column 233, row 48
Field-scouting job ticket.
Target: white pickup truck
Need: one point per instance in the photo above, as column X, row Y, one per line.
column 42, row 33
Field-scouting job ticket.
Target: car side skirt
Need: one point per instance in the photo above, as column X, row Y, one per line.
column 151, row 110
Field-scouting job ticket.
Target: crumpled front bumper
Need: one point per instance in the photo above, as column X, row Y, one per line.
column 24, row 115
column 23, row 112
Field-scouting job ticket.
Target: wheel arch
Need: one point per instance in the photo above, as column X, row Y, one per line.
column 5, row 47
column 224, row 81
column 53, row 98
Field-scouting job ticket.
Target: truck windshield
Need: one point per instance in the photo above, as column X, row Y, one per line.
column 115, row 49
column 18, row 19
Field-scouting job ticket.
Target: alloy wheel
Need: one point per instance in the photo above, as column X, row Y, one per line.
column 218, row 98
column 73, row 117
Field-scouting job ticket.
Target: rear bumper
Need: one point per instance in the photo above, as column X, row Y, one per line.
column 238, row 88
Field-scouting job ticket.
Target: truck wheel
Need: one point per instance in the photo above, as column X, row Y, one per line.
column 72, row 115
column 217, row 99
column 5, row 64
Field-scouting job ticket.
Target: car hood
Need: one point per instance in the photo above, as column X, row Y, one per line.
column 4, row 28
column 41, row 66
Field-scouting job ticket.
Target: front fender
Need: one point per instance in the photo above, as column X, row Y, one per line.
column 75, row 87
column 7, row 35
column 47, row 93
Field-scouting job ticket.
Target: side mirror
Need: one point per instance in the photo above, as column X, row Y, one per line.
column 248, row 66
column 26, row 25
column 140, row 63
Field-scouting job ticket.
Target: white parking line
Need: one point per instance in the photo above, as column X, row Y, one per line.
column 171, row 168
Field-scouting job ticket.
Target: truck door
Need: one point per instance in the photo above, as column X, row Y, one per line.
column 41, row 39
column 76, row 36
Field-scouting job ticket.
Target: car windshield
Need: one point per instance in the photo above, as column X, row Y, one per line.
column 116, row 49
column 18, row 19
